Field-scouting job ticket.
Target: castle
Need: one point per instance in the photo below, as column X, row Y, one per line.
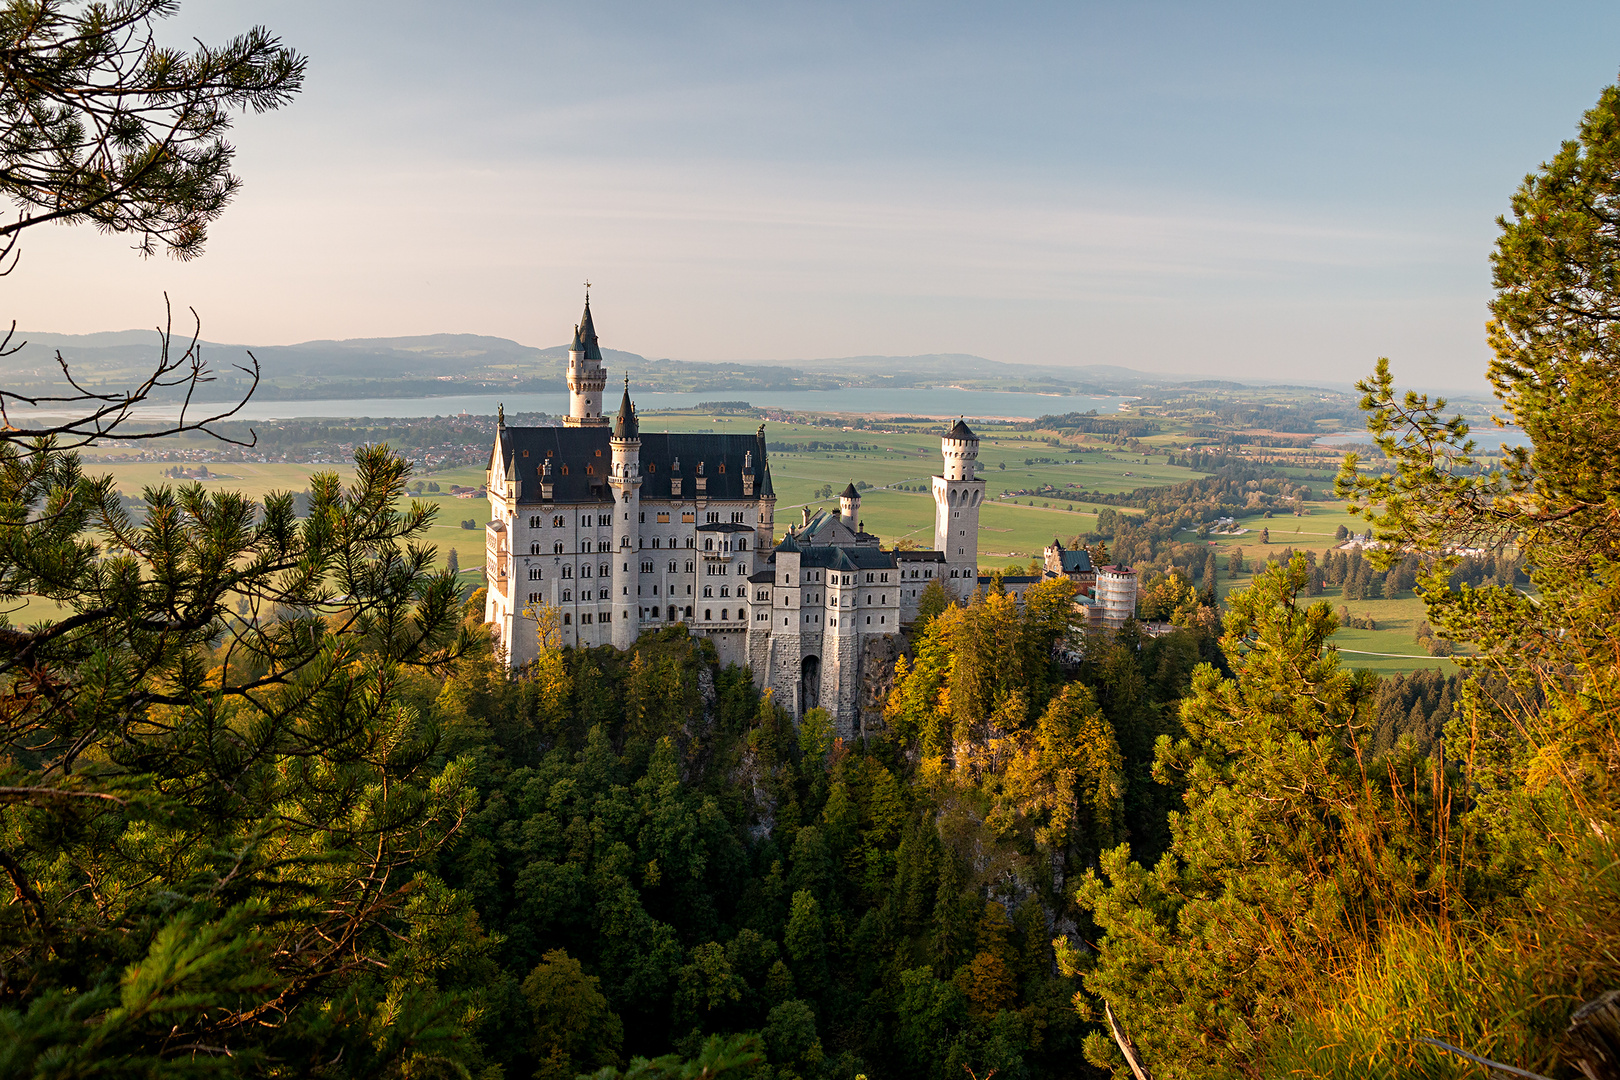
column 606, row 531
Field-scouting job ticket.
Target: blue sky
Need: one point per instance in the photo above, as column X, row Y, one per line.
column 1256, row 190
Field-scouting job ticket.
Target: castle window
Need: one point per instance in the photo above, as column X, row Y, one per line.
column 587, row 617
column 557, row 522
column 568, row 594
column 689, row 516
column 742, row 544
column 656, row 541
column 708, row 543
column 603, row 571
column 883, row 577
column 652, row 466
column 644, row 517
column 690, row 566
column 646, row 566
column 725, row 590
column 556, row 549
column 590, row 470
column 568, row 618
column 869, row 579
column 672, row 566
column 534, row 598
column 663, row 518
column 740, row 569
column 689, row 611
column 712, row 517
column 708, row 614
column 708, row 590
column 534, row 573
column 722, row 468
column 534, row 522
column 725, row 613
column 568, row 571
column 603, row 593
column 525, row 453
column 691, row 541
column 534, row 548
column 599, row 453
column 737, row 518
column 565, row 470
column 585, row 571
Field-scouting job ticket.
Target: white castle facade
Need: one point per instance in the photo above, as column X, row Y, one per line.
column 605, row 532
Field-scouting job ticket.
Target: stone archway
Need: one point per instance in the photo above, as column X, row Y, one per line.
column 809, row 684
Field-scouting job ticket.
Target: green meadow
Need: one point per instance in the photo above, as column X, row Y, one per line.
column 898, row 462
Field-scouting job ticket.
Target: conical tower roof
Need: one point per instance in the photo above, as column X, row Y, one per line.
column 625, row 425
column 959, row 431
column 585, row 333
column 850, row 492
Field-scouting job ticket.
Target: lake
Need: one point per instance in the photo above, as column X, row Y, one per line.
column 1488, row 437
column 931, row 401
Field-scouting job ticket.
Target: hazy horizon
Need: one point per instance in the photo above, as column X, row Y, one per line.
column 1258, row 192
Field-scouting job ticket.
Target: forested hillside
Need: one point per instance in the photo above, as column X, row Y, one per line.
column 271, row 805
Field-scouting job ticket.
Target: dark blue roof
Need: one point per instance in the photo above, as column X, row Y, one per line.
column 587, row 456
column 585, row 333
column 1075, row 562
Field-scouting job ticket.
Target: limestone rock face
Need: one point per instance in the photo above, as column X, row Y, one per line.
column 877, row 679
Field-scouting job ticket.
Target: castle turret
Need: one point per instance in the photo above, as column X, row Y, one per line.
column 957, row 495
column 765, row 529
column 624, row 481
column 849, row 507
column 587, row 378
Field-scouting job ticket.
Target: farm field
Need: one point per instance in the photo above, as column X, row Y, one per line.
column 1397, row 620
column 1013, row 530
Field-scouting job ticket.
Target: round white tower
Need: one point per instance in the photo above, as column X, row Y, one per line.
column 587, row 378
column 849, row 507
column 625, row 484
column 957, row 495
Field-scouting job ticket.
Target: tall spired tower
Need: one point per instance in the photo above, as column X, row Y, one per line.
column 957, row 495
column 586, row 375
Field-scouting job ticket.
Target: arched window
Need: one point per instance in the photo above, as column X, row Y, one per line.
column 725, row 613
column 624, row 541
column 534, row 573
column 708, row 590
column 534, row 522
column 568, row 620
column 688, row 611
column 604, row 571
column 672, row 565
column 585, row 571
column 741, row 569
column 708, row 543
column 556, row 549
column 742, row 544
column 534, row 548
column 690, row 566
column 672, row 613
column 656, row 542
column 708, row 615
column 568, row 595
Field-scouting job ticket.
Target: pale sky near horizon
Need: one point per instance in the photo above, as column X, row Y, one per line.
column 1255, row 190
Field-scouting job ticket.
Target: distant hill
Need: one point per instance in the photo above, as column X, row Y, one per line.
column 428, row 364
